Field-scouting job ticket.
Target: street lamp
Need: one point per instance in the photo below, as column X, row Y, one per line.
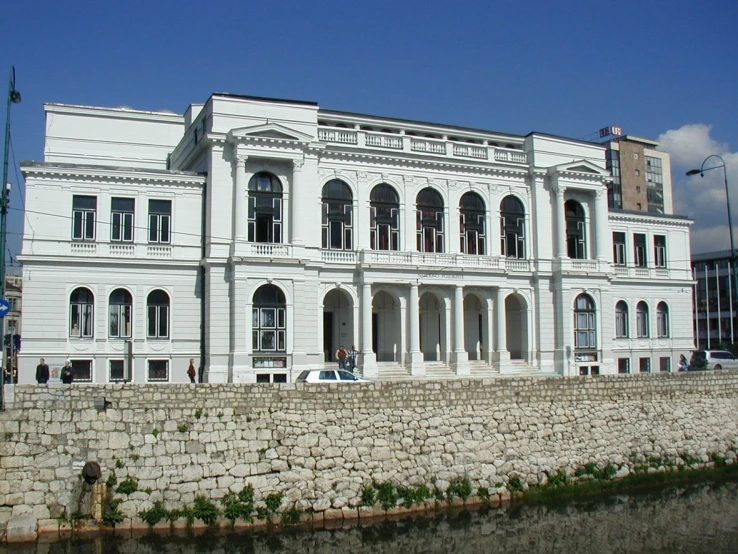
column 701, row 172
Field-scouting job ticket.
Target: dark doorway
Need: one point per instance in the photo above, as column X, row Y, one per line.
column 328, row 336
column 375, row 333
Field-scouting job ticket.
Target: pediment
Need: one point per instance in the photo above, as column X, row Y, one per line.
column 581, row 166
column 270, row 131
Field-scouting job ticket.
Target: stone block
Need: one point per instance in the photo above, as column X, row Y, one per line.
column 22, row 528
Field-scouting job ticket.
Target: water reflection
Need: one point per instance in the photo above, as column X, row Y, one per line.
column 695, row 519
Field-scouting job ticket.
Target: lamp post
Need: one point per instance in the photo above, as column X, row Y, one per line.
column 14, row 97
column 701, row 172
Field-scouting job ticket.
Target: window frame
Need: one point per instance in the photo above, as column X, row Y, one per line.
column 512, row 228
column 160, row 221
column 662, row 320
column 659, row 248
column 120, row 314
column 384, row 218
column 84, row 217
column 268, row 319
column 122, row 220
column 585, row 323
column 621, row 320
column 112, row 379
column 640, row 250
column 265, row 209
column 167, row 367
column 85, row 316
column 337, row 214
column 161, row 315
column 642, row 324
column 619, row 249
column 576, row 230
column 78, row 367
column 430, row 221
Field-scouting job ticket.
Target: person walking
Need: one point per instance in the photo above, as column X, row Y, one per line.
column 66, row 374
column 341, row 356
column 683, row 365
column 352, row 355
column 191, row 370
column 42, row 373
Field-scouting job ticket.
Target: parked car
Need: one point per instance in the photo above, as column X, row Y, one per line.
column 328, row 376
column 712, row 359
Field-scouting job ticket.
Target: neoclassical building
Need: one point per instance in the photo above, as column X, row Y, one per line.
column 257, row 235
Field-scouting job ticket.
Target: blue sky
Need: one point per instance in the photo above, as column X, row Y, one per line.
column 656, row 68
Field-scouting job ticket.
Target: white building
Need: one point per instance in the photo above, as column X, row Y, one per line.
column 257, row 235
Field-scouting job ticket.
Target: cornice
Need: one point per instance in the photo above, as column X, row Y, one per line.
column 118, row 113
column 673, row 220
column 108, row 174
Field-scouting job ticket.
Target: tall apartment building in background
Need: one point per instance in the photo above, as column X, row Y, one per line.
column 715, row 310
column 257, row 235
column 11, row 326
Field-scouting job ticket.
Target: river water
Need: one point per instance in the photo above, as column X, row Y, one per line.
column 693, row 519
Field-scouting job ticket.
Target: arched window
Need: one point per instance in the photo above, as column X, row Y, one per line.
column 429, row 221
column 621, row 320
column 268, row 320
column 585, row 326
column 81, row 313
column 385, row 218
column 471, row 215
column 512, row 227
column 576, row 236
column 157, row 313
column 662, row 320
column 121, row 306
column 265, row 208
column 642, row 320
column 337, row 216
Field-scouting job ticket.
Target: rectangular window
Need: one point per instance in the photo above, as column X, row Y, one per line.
column 659, row 246
column 160, row 216
column 644, row 365
column 121, row 225
column 639, row 243
column 82, row 370
column 623, row 365
column 84, row 209
column 158, row 370
column 665, row 364
column 158, row 321
column 618, row 252
column 117, row 371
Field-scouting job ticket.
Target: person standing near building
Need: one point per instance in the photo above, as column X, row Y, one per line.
column 42, row 373
column 341, row 356
column 66, row 374
column 191, row 370
column 352, row 355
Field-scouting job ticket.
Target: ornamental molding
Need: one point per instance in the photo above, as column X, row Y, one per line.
column 268, row 132
column 111, row 175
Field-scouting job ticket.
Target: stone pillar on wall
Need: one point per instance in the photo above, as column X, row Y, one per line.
column 415, row 362
column 299, row 199
column 602, row 234
column 368, row 357
column 460, row 358
column 503, row 355
column 240, row 202
column 217, row 324
column 561, row 250
column 240, row 356
column 489, row 338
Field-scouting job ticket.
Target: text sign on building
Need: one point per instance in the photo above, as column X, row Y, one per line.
column 614, row 131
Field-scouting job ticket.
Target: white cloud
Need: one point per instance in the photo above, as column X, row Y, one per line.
column 702, row 198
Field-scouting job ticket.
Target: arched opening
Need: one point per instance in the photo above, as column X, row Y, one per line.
column 265, row 208
column 476, row 321
column 576, row 235
column 516, row 322
column 269, row 320
column 81, row 313
column 429, row 221
column 472, row 228
column 662, row 320
column 512, row 227
column 432, row 327
column 385, row 218
column 337, row 216
column 121, row 314
column 338, row 323
column 157, row 315
column 642, row 327
column 621, row 320
column 386, row 327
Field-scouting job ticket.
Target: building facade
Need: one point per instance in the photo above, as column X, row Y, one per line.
column 715, row 312
column 257, row 235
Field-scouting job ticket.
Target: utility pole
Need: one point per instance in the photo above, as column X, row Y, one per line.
column 14, row 97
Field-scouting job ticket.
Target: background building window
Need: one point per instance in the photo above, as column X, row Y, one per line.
column 642, row 320
column 158, row 370
column 337, row 217
column 512, row 227
column 265, row 208
column 268, row 323
column 121, row 225
column 429, row 221
column 121, row 306
column 81, row 313
column 81, row 370
column 659, row 247
column 471, row 224
column 585, row 330
column 157, row 310
column 84, row 209
column 160, row 215
column 385, row 218
column 639, row 243
column 621, row 320
column 576, row 237
column 618, row 249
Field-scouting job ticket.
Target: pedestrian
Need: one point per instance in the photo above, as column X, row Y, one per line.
column 683, row 365
column 42, row 373
column 191, row 370
column 66, row 374
column 352, row 354
column 341, row 356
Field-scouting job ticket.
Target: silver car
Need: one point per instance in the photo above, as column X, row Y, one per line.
column 712, row 359
column 328, row 376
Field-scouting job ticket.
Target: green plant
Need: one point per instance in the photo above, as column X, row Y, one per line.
column 718, row 460
column 112, row 480
column 558, row 479
column 483, row 494
column 135, row 457
column 292, row 515
column 460, row 487
column 127, row 486
column 220, row 414
column 118, row 464
column 368, row 495
column 198, row 413
column 205, row 510
column 182, row 428
column 514, row 484
column 153, row 515
column 386, row 495
column 438, row 494
column 112, row 515
column 422, row 492
column 155, row 432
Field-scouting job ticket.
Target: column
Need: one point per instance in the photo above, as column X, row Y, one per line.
column 241, row 196
column 489, row 337
column 368, row 357
column 560, row 222
column 460, row 359
column 502, row 354
column 602, row 234
column 298, row 205
column 415, row 361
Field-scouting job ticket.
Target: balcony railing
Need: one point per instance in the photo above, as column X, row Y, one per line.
column 124, row 250
column 379, row 140
column 342, row 136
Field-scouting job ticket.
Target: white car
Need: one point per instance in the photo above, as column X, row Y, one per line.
column 712, row 359
column 328, row 376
